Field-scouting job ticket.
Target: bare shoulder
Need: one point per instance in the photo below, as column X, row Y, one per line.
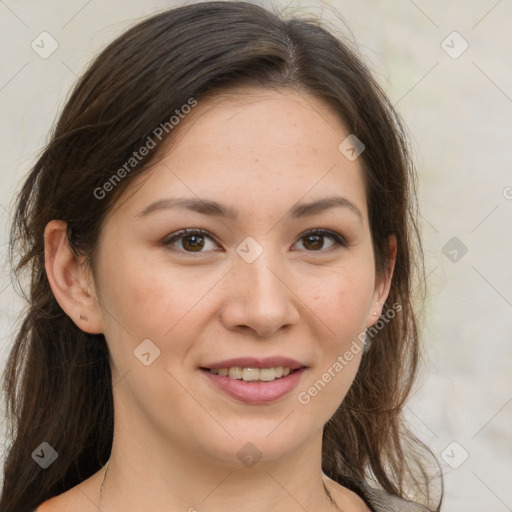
column 81, row 498
column 56, row 504
column 348, row 498
column 70, row 500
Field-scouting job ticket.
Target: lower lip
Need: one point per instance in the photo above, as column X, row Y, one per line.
column 258, row 392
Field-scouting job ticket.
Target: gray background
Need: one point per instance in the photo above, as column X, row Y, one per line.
column 458, row 110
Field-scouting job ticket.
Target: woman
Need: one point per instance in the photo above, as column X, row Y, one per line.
column 221, row 238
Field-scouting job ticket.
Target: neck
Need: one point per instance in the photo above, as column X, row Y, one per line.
column 137, row 479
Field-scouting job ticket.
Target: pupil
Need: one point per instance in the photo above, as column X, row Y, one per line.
column 194, row 245
column 315, row 237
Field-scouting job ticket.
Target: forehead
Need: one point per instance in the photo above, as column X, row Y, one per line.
column 249, row 114
column 256, row 146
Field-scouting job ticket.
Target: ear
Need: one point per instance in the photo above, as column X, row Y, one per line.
column 382, row 285
column 69, row 280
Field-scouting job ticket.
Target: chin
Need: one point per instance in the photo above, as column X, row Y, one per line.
column 256, row 445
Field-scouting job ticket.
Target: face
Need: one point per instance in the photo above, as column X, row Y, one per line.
column 252, row 287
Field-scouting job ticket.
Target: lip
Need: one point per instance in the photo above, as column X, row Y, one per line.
column 255, row 393
column 255, row 362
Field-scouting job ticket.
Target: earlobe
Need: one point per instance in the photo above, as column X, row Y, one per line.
column 68, row 280
column 383, row 284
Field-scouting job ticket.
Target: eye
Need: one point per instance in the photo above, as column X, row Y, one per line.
column 192, row 240
column 314, row 239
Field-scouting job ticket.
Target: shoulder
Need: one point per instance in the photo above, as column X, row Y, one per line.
column 364, row 498
column 382, row 501
column 346, row 496
column 52, row 505
column 66, row 502
column 81, row 498
column 62, row 503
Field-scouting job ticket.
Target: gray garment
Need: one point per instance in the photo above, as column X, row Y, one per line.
column 381, row 501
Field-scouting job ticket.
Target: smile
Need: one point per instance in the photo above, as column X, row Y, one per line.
column 254, row 385
column 253, row 374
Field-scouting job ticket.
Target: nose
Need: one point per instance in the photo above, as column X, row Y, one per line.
column 259, row 298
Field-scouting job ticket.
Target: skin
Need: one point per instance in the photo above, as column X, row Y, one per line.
column 176, row 436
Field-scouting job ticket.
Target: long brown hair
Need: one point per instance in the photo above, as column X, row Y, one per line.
column 58, row 379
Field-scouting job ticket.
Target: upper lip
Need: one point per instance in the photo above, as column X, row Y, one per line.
column 256, row 362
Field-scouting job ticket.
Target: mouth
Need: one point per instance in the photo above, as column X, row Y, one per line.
column 250, row 374
column 254, row 386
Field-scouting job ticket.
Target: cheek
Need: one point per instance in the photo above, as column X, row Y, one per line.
column 341, row 299
column 342, row 305
column 160, row 302
column 139, row 293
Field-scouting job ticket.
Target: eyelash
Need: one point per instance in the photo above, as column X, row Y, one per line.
column 336, row 237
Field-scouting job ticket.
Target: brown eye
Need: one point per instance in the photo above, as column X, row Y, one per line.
column 314, row 240
column 188, row 240
column 193, row 242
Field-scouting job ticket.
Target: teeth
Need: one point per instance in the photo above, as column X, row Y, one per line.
column 253, row 374
column 234, row 373
column 249, row 374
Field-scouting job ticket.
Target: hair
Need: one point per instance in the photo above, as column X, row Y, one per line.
column 58, row 378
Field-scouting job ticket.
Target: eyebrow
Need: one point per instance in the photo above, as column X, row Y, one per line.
column 215, row 209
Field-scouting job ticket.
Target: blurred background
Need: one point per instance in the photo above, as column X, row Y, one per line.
column 444, row 65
